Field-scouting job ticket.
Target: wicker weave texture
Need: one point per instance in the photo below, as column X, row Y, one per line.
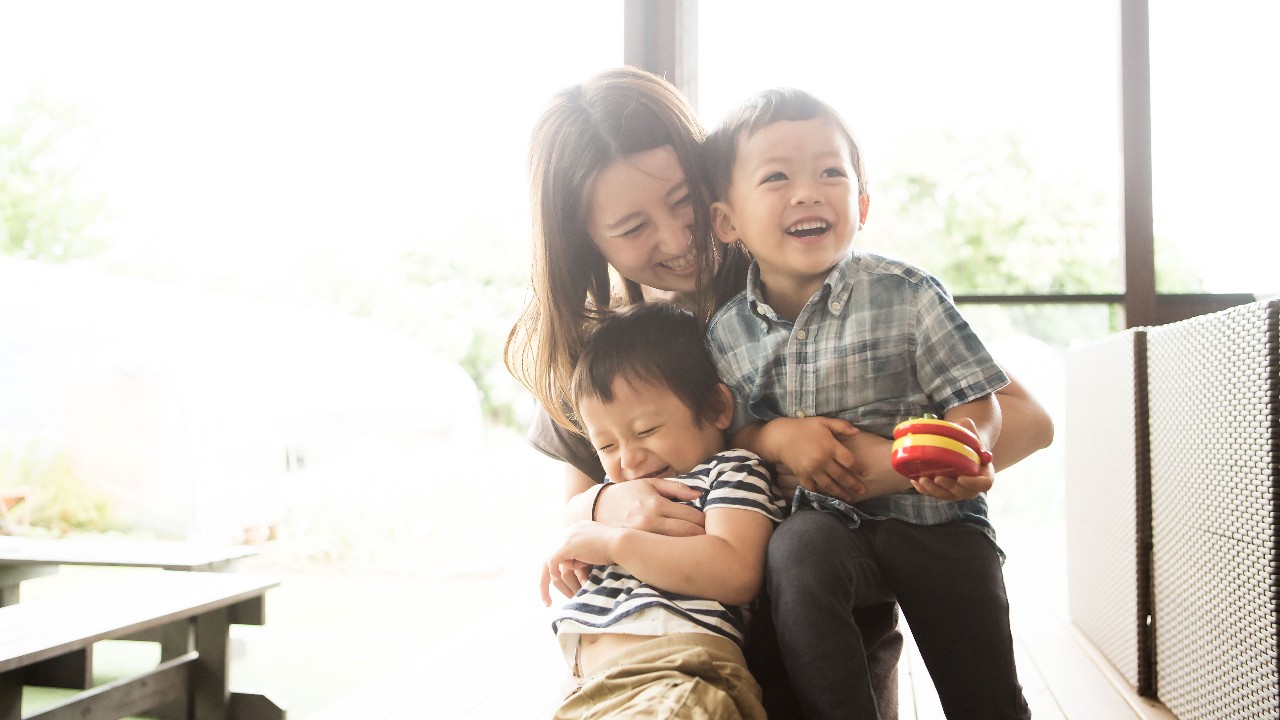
column 1102, row 570
column 1213, row 434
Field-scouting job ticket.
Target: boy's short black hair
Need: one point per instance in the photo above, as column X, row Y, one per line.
column 720, row 150
column 652, row 342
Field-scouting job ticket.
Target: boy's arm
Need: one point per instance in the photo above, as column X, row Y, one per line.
column 726, row 564
column 812, row 452
column 648, row 504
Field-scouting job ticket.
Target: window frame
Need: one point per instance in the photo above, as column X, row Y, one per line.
column 662, row 36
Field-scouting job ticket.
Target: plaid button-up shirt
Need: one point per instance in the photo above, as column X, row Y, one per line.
column 881, row 342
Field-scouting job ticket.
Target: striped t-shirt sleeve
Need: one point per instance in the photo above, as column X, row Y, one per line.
column 739, row 480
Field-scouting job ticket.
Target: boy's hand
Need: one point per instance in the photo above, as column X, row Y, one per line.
column 785, row 481
column 811, row 450
column 568, row 578
column 964, row 487
column 582, row 545
column 647, row 504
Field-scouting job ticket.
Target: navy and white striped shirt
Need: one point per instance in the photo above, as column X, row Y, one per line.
column 879, row 343
column 614, row 601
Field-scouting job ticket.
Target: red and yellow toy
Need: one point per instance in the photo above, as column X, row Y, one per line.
column 929, row 447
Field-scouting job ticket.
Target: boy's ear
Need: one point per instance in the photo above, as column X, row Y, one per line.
column 724, row 414
column 864, row 204
column 722, row 223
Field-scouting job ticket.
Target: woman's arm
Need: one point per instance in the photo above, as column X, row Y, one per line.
column 646, row 504
column 1025, row 428
column 579, row 493
column 1025, row 425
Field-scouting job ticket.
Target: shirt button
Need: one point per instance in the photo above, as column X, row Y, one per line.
column 800, row 334
column 760, row 309
column 835, row 306
column 800, row 413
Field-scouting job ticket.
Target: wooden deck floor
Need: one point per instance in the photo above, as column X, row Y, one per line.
column 1062, row 675
column 513, row 671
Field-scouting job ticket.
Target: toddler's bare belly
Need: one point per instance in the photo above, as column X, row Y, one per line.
column 594, row 650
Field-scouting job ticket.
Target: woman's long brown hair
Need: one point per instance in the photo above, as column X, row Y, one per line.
column 586, row 128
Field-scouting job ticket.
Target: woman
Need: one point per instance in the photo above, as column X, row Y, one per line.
column 621, row 215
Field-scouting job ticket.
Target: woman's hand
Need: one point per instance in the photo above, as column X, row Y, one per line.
column 648, row 504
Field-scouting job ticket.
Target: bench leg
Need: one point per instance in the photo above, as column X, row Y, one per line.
column 251, row 706
column 11, row 695
column 9, row 594
column 175, row 641
column 73, row 671
column 12, row 576
column 210, row 697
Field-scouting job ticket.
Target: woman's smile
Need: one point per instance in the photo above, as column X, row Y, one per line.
column 642, row 220
column 683, row 265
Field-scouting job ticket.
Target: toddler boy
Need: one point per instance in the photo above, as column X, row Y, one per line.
column 657, row 628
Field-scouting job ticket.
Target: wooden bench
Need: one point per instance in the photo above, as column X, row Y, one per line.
column 26, row 558
column 191, row 679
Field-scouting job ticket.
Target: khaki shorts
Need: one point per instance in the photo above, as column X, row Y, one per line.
column 691, row 676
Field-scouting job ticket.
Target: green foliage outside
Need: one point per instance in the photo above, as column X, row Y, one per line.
column 987, row 220
column 44, row 214
column 59, row 500
column 977, row 215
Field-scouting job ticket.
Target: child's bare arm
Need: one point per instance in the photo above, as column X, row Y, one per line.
column 726, row 564
column 648, row 504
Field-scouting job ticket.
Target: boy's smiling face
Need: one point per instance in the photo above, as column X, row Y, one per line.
column 793, row 201
column 646, row 431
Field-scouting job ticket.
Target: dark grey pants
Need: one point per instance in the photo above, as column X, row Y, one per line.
column 948, row 582
column 878, row 627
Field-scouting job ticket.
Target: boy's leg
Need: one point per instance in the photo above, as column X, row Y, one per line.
column 883, row 643
column 817, row 571
column 688, row 676
column 765, row 661
column 948, row 580
column 878, row 625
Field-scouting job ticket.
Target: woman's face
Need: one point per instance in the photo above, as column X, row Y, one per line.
column 642, row 220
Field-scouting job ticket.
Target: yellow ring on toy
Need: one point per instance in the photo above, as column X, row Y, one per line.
column 926, row 421
column 939, row 441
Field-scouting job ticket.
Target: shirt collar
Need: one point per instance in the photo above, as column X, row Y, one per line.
column 837, row 284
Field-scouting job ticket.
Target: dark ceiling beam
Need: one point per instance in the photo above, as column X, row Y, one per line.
column 661, row 36
column 1139, row 234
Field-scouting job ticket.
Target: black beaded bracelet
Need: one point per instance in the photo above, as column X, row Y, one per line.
column 596, row 500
